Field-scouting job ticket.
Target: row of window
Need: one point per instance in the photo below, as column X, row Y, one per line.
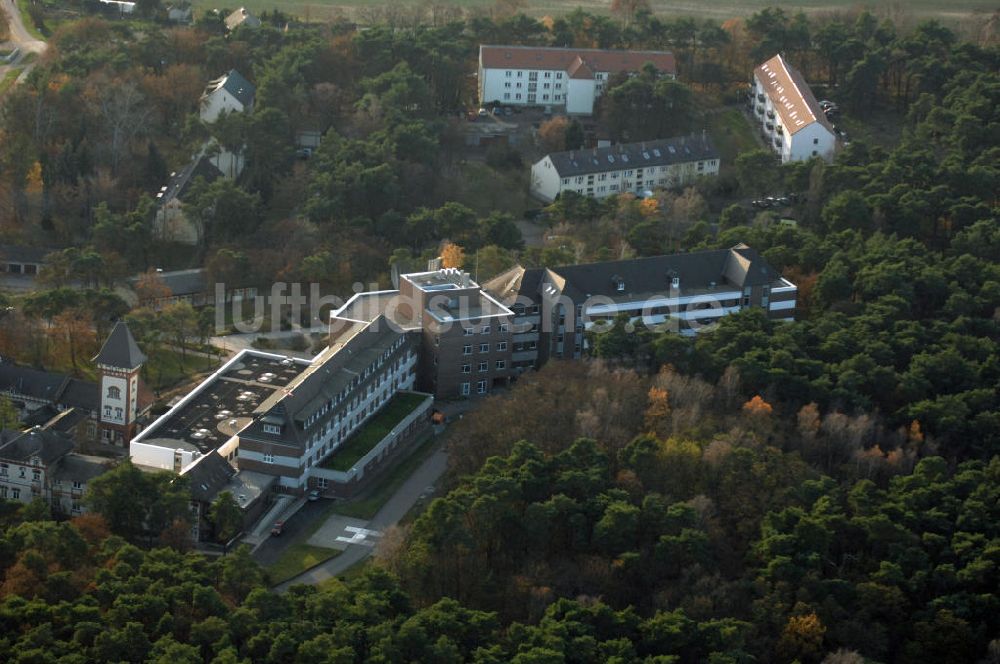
column 36, row 475
column 502, row 328
column 484, row 348
column 485, row 366
column 520, row 74
column 480, row 388
column 545, row 86
column 517, row 97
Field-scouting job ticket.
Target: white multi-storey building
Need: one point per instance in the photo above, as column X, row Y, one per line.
column 625, row 168
column 572, row 78
column 790, row 118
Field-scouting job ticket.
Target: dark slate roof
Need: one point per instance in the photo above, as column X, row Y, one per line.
column 23, row 446
column 55, row 388
column 180, row 183
column 180, row 282
column 22, row 254
column 65, row 421
column 209, row 476
column 634, row 155
column 239, row 87
column 737, row 267
column 81, row 468
column 120, row 350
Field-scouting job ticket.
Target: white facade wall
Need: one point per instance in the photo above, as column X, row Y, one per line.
column 612, row 183
column 580, row 96
column 324, row 442
column 156, row 456
column 545, row 180
column 214, row 104
column 523, row 87
column 812, row 140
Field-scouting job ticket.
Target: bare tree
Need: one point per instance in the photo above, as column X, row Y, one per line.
column 122, row 112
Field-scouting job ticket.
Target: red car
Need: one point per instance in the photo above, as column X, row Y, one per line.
column 278, row 528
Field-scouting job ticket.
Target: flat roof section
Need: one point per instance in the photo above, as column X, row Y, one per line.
column 224, row 403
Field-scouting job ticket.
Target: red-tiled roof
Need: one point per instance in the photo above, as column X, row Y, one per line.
column 790, row 95
column 529, row 57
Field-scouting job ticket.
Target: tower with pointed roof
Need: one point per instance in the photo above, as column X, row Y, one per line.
column 118, row 366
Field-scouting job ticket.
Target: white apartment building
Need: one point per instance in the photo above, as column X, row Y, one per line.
column 571, row 78
column 790, row 118
column 625, row 168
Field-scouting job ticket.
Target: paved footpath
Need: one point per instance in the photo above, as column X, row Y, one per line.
column 425, row 476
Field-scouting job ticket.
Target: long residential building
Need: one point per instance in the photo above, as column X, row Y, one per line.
column 567, row 78
column 625, row 168
column 790, row 118
column 682, row 293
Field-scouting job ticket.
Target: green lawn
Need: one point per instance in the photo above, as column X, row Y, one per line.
column 373, row 431
column 368, row 505
column 325, row 10
column 296, row 559
column 731, row 134
column 166, row 368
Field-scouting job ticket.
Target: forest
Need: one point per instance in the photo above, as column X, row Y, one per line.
column 826, row 490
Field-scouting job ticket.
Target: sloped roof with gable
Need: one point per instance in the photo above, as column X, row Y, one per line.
column 55, row 388
column 596, row 60
column 23, row 446
column 180, row 183
column 235, row 84
column 790, row 95
column 737, row 267
column 120, row 350
column 662, row 152
column 208, row 476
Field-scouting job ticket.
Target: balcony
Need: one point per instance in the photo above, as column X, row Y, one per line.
column 769, row 125
column 779, row 130
column 778, row 143
column 760, row 110
column 770, row 115
column 760, row 98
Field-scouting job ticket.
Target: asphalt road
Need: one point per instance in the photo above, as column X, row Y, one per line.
column 18, row 33
column 273, row 547
column 416, row 487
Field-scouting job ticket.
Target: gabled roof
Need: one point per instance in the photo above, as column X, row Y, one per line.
column 81, row 468
column 180, row 183
column 23, row 254
column 242, row 17
column 180, row 282
column 235, row 84
column 120, row 350
column 634, row 155
column 737, row 267
column 55, row 388
column 596, row 60
column 208, row 476
column 23, row 446
column 790, row 95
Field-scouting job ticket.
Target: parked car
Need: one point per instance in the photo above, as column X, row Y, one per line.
column 303, row 153
column 825, row 104
column 483, row 112
column 761, row 203
column 277, row 528
column 313, row 496
column 508, row 111
column 783, row 200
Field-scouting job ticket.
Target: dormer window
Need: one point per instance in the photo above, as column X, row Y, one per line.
column 272, row 428
column 620, row 285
